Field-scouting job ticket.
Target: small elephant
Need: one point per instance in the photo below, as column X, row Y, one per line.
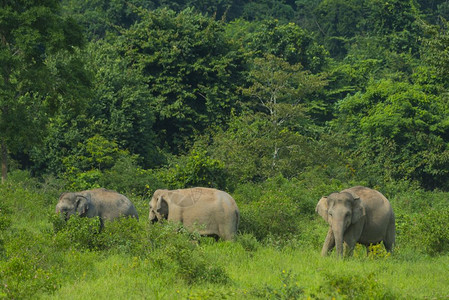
column 357, row 215
column 209, row 211
column 106, row 204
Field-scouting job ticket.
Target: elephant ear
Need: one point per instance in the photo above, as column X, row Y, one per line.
column 162, row 207
column 62, row 195
column 82, row 205
column 358, row 210
column 322, row 208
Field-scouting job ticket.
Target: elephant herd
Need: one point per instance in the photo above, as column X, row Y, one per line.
column 355, row 215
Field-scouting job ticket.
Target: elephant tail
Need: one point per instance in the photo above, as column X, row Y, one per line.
column 237, row 219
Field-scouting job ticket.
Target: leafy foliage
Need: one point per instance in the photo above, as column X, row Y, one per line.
column 196, row 169
column 400, row 130
column 277, row 102
column 353, row 287
column 428, row 233
column 190, row 68
column 31, row 31
column 289, row 289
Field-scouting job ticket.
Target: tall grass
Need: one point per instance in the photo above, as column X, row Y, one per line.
column 41, row 258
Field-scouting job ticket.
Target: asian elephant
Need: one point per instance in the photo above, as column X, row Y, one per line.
column 209, row 211
column 106, row 204
column 357, row 215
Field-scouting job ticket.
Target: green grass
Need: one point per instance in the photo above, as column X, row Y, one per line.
column 253, row 274
column 135, row 260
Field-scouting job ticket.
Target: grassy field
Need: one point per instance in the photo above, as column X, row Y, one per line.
column 135, row 260
column 265, row 273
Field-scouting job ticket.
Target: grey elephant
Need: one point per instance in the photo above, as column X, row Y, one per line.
column 106, row 204
column 209, row 211
column 357, row 215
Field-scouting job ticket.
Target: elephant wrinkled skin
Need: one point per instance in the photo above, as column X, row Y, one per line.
column 106, row 204
column 357, row 215
column 209, row 211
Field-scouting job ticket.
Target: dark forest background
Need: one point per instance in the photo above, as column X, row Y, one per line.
column 222, row 93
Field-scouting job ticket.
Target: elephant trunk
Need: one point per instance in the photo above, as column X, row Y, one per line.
column 60, row 212
column 338, row 234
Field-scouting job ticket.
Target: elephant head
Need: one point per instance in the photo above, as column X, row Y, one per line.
column 341, row 210
column 158, row 206
column 71, row 203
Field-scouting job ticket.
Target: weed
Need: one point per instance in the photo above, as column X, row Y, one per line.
column 27, row 268
column 353, row 286
column 79, row 233
column 211, row 294
column 248, row 242
column 289, row 288
column 174, row 248
column 378, row 251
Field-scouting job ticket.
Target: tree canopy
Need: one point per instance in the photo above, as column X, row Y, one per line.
column 245, row 89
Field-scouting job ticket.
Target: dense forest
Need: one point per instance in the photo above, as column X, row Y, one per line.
column 226, row 93
column 277, row 102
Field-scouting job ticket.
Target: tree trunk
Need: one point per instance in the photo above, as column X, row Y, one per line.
column 4, row 154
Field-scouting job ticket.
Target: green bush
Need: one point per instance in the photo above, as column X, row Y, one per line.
column 5, row 223
column 78, row 233
column 353, row 286
column 127, row 177
column 28, row 267
column 274, row 209
column 289, row 288
column 195, row 169
column 271, row 216
column 172, row 247
column 431, row 232
column 248, row 242
column 124, row 235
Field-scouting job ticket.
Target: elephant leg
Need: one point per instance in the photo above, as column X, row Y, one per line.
column 329, row 242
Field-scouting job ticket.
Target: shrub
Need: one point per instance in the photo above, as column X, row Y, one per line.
column 127, row 176
column 274, row 209
column 79, row 233
column 196, row 169
column 289, row 288
column 355, row 286
column 378, row 251
column 27, row 268
column 175, row 248
column 124, row 235
column 5, row 222
column 248, row 242
column 431, row 232
column 271, row 216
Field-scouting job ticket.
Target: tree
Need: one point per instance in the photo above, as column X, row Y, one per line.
column 120, row 110
column 287, row 41
column 338, row 21
column 398, row 131
column 29, row 32
column 191, row 70
column 435, row 50
column 99, row 17
column 278, row 137
column 121, row 104
column 280, row 88
column 263, row 9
